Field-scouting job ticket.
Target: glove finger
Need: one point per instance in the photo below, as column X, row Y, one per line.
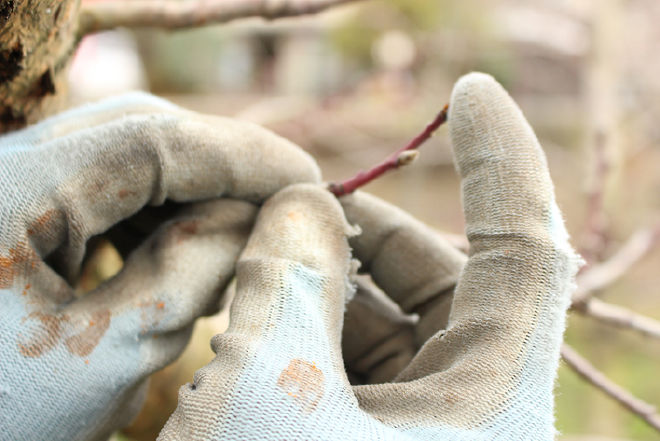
column 88, row 116
column 134, row 324
column 493, row 368
column 378, row 339
column 130, row 233
column 414, row 265
column 78, row 185
column 280, row 360
column 124, row 236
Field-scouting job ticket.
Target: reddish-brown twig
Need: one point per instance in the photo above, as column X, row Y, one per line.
column 395, row 160
column 174, row 14
column 587, row 371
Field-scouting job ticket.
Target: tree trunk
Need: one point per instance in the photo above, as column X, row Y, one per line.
column 37, row 41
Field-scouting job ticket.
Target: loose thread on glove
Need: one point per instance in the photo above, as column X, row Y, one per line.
column 397, row 159
column 587, row 371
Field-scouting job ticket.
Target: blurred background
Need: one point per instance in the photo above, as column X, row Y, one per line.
column 355, row 83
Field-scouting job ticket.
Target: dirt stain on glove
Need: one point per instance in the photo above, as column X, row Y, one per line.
column 84, row 343
column 50, row 331
column 294, row 215
column 21, row 260
column 303, row 382
column 45, row 337
column 123, row 194
column 185, row 229
column 46, row 223
column 151, row 313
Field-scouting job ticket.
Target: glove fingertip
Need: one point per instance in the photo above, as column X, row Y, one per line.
column 480, row 110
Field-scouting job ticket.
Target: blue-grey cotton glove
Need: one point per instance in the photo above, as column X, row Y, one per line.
column 74, row 369
column 279, row 372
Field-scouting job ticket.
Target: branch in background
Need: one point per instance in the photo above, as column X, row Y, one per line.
column 174, row 14
column 401, row 157
column 618, row 316
column 594, row 234
column 587, row 371
column 600, row 275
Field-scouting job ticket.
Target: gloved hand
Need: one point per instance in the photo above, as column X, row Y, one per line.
column 73, row 369
column 279, row 373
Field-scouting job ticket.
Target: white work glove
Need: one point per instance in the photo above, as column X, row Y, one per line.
column 74, row 368
column 279, row 372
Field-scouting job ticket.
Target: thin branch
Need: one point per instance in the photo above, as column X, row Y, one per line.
column 618, row 316
column 602, row 274
column 587, row 371
column 594, row 234
column 175, row 14
column 395, row 160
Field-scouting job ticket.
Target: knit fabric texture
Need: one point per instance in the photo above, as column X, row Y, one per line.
column 75, row 368
column 479, row 363
column 279, row 372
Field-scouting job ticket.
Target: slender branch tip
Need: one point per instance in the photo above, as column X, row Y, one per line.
column 403, row 156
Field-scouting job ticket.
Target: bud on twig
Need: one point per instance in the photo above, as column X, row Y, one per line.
column 407, row 157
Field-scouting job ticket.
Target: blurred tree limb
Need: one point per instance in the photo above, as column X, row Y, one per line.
column 174, row 14
column 618, row 316
column 587, row 371
column 39, row 38
column 602, row 274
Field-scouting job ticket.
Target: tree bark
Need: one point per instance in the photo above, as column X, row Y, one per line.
column 37, row 41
